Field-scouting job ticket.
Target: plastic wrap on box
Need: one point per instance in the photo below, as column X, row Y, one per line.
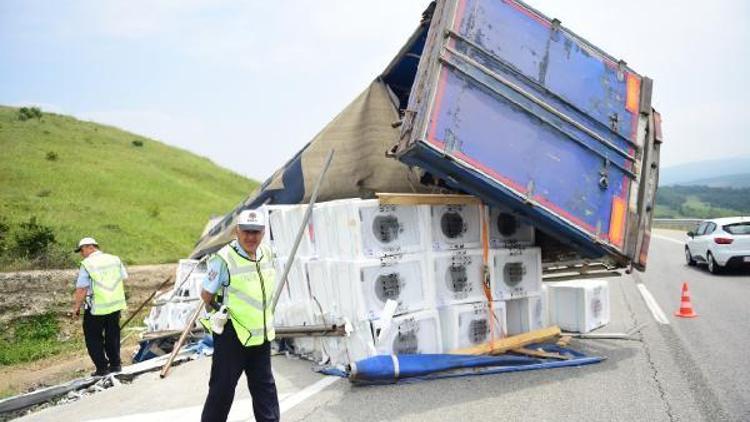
column 293, row 219
column 277, row 232
column 324, row 291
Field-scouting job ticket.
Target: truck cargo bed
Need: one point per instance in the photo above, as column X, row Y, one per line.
column 509, row 105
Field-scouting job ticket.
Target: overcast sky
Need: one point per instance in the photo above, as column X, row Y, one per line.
column 247, row 84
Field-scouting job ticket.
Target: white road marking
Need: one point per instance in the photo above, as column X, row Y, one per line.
column 240, row 408
column 656, row 311
column 658, row 236
column 307, row 392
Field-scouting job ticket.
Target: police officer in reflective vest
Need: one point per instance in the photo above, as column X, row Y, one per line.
column 241, row 277
column 100, row 289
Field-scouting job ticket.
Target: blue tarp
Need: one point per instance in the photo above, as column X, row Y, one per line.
column 390, row 369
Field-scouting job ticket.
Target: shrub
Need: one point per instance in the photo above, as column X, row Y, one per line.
column 51, row 156
column 37, row 327
column 44, row 193
column 26, row 113
column 154, row 211
column 4, row 230
column 33, row 240
column 112, row 227
column 137, row 143
column 31, row 338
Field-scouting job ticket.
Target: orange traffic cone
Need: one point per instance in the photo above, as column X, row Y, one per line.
column 686, row 308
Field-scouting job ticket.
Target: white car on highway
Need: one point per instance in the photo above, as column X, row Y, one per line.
column 720, row 243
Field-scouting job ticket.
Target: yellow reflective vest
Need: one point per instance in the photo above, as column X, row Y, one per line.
column 107, row 290
column 249, row 294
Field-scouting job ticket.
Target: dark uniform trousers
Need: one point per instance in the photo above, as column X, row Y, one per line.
column 102, row 334
column 230, row 359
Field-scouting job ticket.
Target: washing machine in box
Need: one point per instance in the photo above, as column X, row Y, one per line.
column 457, row 276
column 278, row 265
column 515, row 273
column 293, row 218
column 277, row 230
column 544, row 298
column 470, row 324
column 377, row 230
column 508, row 230
column 323, row 291
column 414, row 333
column 329, row 228
column 453, row 226
column 297, row 284
column 320, row 221
column 524, row 314
column 366, row 285
column 344, row 228
column 579, row 305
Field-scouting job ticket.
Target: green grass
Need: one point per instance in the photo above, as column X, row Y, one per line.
column 147, row 203
column 693, row 207
column 32, row 338
column 702, row 202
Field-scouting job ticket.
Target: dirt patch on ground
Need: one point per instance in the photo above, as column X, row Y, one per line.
column 28, row 293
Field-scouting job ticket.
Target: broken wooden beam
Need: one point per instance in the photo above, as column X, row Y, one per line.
column 539, row 353
column 564, row 341
column 504, row 345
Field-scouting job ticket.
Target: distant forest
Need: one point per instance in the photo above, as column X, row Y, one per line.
column 701, row 202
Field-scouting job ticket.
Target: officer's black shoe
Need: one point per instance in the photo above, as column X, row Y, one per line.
column 115, row 369
column 99, row 373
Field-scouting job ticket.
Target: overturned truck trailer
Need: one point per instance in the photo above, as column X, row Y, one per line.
column 493, row 99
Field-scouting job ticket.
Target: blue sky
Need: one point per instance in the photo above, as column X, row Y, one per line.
column 247, row 84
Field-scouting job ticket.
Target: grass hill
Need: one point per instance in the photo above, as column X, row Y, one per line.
column 62, row 179
column 701, row 202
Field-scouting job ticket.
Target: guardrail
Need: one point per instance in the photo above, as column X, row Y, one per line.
column 685, row 224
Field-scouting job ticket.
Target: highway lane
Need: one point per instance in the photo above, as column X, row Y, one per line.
column 711, row 348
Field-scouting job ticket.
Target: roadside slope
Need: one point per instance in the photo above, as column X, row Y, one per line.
column 140, row 198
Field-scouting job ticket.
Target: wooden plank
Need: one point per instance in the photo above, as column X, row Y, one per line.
column 539, row 353
column 426, row 199
column 564, row 341
column 503, row 345
column 181, row 341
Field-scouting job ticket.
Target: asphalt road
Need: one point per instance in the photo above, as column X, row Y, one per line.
column 711, row 349
column 682, row 370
